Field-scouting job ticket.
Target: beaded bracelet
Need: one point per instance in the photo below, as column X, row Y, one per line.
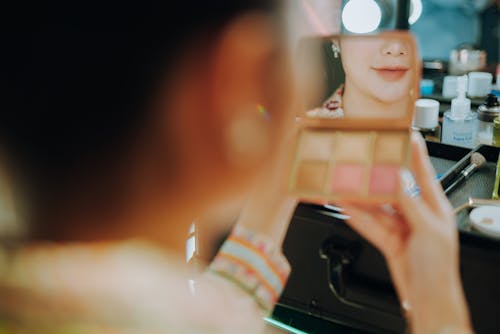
column 252, row 261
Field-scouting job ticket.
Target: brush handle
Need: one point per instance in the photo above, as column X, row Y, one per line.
column 464, row 175
column 475, row 202
column 455, row 183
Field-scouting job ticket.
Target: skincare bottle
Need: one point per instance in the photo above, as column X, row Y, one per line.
column 459, row 123
column 486, row 114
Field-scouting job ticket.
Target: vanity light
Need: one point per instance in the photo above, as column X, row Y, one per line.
column 361, row 16
column 368, row 16
column 415, row 11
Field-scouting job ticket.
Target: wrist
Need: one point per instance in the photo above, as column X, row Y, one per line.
column 454, row 330
column 444, row 312
column 270, row 218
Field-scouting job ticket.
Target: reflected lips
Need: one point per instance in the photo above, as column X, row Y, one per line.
column 391, row 73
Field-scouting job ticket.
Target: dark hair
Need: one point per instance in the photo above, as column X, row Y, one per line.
column 76, row 85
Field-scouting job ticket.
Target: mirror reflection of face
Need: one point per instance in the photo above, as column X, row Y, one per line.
column 378, row 67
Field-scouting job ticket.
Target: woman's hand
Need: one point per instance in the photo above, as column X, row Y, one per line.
column 420, row 244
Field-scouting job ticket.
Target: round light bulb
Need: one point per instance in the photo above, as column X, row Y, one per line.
column 361, row 16
column 416, row 11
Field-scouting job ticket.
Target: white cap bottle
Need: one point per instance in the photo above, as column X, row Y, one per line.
column 459, row 124
column 460, row 105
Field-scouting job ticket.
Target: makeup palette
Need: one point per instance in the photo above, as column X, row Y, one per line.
column 349, row 164
column 359, row 156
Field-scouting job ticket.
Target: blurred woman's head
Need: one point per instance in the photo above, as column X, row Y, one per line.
column 140, row 105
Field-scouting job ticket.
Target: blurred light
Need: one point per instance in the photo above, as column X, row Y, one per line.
column 361, row 16
column 415, row 11
column 191, row 243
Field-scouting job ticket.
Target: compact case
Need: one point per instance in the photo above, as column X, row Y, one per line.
column 333, row 163
column 355, row 158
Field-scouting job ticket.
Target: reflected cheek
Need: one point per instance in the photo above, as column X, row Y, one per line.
column 358, row 72
column 363, row 48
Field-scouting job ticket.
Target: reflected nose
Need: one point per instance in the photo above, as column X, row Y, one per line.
column 395, row 48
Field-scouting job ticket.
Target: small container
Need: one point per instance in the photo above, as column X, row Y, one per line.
column 480, row 84
column 426, row 119
column 450, row 86
column 486, row 219
column 466, row 58
column 486, row 114
column 426, row 87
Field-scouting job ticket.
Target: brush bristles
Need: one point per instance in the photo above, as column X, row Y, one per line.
column 477, row 159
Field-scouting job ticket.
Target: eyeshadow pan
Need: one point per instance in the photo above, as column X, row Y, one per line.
column 316, row 145
column 348, row 178
column 352, row 146
column 389, row 148
column 384, row 179
column 311, row 175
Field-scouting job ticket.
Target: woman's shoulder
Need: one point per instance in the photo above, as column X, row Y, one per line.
column 129, row 285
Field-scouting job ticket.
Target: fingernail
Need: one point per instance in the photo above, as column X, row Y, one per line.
column 406, row 305
column 418, row 136
column 409, row 183
column 389, row 209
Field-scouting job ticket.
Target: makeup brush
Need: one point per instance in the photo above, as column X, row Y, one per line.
column 477, row 160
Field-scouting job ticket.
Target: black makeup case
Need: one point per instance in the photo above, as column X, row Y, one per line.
column 340, row 283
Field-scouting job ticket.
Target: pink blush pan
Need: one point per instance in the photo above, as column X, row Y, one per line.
column 384, row 179
column 348, row 178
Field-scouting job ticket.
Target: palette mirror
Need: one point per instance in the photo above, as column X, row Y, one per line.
column 358, row 94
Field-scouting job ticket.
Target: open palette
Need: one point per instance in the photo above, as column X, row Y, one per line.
column 357, row 153
column 352, row 163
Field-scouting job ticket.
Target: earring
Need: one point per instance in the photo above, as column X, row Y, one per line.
column 247, row 135
column 335, row 49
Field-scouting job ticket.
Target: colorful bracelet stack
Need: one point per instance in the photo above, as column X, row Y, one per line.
column 252, row 261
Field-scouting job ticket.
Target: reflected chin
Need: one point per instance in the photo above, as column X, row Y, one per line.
column 391, row 97
column 390, row 92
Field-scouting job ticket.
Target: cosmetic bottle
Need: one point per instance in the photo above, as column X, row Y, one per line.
column 486, row 114
column 459, row 123
column 480, row 84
